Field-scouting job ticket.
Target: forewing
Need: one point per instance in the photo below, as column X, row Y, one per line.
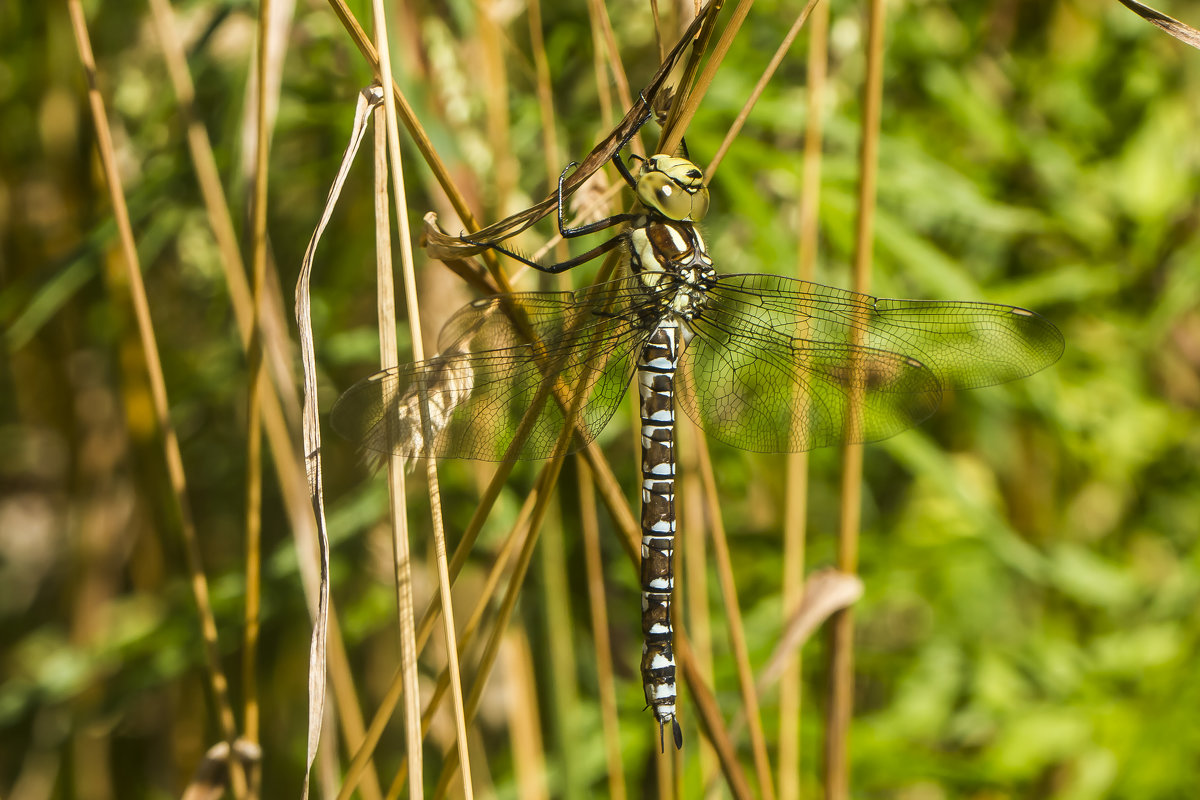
column 967, row 345
column 513, row 367
column 777, row 362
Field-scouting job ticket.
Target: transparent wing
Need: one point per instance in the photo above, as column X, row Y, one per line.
column 512, row 367
column 775, row 361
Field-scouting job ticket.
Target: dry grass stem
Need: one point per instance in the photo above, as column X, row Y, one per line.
column 796, row 504
column 255, row 386
column 397, row 499
column 281, row 394
column 1184, row 33
column 551, row 151
column 709, row 717
column 390, row 95
column 737, row 630
column 529, row 758
column 682, row 112
column 598, row 606
column 145, row 324
column 272, row 327
column 608, row 53
column 759, row 87
column 841, row 666
column 407, row 116
column 311, row 435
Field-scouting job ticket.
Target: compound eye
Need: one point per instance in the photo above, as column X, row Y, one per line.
column 659, row 192
column 699, row 204
column 668, row 198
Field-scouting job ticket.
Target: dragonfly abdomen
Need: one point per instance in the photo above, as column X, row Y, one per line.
column 656, row 378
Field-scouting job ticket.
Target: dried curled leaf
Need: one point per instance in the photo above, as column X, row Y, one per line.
column 825, row 593
column 1184, row 33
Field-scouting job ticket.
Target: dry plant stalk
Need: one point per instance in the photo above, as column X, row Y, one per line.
column 841, row 659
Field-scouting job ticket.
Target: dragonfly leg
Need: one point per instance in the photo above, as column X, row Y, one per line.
column 561, row 266
column 591, row 227
column 626, row 175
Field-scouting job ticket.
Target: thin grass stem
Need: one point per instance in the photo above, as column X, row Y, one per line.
column 841, row 667
column 796, row 480
column 709, row 717
column 545, row 95
column 272, row 327
column 158, row 389
column 508, row 604
column 737, row 629
column 598, row 606
column 414, row 320
column 397, row 497
column 395, row 688
column 279, row 402
column 502, row 177
column 756, row 93
column 528, row 754
column 682, row 112
column 256, row 384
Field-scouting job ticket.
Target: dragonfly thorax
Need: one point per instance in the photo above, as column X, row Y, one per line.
column 673, row 188
column 672, row 261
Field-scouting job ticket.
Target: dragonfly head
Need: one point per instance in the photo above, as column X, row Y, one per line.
column 674, row 187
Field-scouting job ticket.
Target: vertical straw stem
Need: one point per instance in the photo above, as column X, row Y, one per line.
column 769, row 72
column 158, row 388
column 272, row 327
column 737, row 630
column 614, row 500
column 274, row 396
column 694, row 527
column 841, row 666
column 796, row 508
column 547, row 479
column 598, row 605
column 414, row 321
column 605, row 42
column 559, row 654
column 392, row 696
column 494, row 79
column 256, row 384
column 401, row 557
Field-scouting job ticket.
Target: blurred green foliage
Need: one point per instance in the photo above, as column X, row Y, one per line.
column 1031, row 555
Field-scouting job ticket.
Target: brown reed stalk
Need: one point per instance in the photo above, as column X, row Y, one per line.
column 796, row 481
column 280, row 393
column 158, row 389
column 598, row 606
column 737, row 628
column 763, row 79
column 397, row 499
column 255, row 384
column 414, row 321
column 841, row 663
column 560, row 654
column 486, row 594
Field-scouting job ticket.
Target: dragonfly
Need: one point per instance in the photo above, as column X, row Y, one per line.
column 762, row 362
